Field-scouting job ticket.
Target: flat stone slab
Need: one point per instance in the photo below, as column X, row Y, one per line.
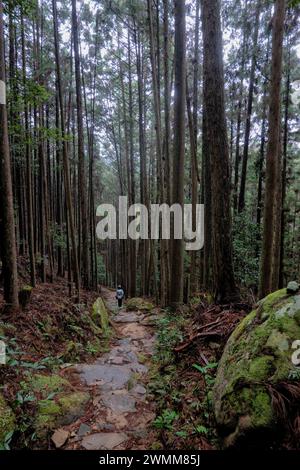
column 108, row 376
column 134, row 330
column 120, row 403
column 127, row 318
column 104, row 440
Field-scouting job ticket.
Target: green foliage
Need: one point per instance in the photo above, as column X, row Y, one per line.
column 36, row 94
column 166, row 420
column 168, row 335
column 209, row 380
column 5, row 445
column 246, row 249
column 293, row 3
column 200, row 429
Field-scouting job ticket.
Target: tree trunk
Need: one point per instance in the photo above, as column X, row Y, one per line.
column 7, row 223
column 269, row 270
column 217, row 149
column 84, row 249
column 67, row 182
column 177, row 245
column 249, row 109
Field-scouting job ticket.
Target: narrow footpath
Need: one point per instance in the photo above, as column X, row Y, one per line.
column 120, row 416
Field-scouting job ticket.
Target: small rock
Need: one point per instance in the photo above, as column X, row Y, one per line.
column 139, row 389
column 292, row 287
column 60, row 437
column 118, row 360
column 105, row 427
column 83, row 430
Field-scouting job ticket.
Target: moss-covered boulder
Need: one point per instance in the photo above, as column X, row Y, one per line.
column 58, row 404
column 137, row 303
column 100, row 316
column 257, row 356
column 60, row 411
column 7, row 420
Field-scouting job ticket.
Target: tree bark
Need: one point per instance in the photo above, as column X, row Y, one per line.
column 177, row 245
column 82, row 192
column 67, row 182
column 269, row 270
column 241, row 204
column 217, row 149
column 7, row 223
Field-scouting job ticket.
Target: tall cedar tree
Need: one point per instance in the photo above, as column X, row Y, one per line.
column 269, row 271
column 217, row 151
column 177, row 272
column 84, row 249
column 7, row 223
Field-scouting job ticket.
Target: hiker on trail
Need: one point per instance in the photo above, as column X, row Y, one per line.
column 120, row 296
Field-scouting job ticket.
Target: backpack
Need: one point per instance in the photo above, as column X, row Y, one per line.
column 120, row 294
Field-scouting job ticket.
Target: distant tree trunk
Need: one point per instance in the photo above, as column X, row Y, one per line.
column 217, row 149
column 7, row 223
column 84, row 249
column 177, row 245
column 28, row 165
column 131, row 190
column 67, row 182
column 142, row 151
column 284, row 165
column 240, row 106
column 269, row 270
column 262, row 150
column 194, row 154
column 241, row 204
column 164, row 254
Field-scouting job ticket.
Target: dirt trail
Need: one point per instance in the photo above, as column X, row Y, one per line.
column 120, row 416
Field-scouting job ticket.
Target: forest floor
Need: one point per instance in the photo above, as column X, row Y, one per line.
column 149, row 383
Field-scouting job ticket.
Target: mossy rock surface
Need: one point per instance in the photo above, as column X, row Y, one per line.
column 137, row 303
column 60, row 411
column 258, row 353
column 45, row 385
column 100, row 316
column 58, row 403
column 7, row 420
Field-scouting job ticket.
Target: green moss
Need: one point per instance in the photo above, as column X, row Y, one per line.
column 261, row 367
column 100, row 316
column 137, row 303
column 45, row 384
column 269, row 302
column 61, row 410
column 48, row 407
column 27, row 288
column 263, row 412
column 7, row 419
column 73, row 404
column 258, row 351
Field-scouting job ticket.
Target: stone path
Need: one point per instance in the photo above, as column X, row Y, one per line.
column 121, row 416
